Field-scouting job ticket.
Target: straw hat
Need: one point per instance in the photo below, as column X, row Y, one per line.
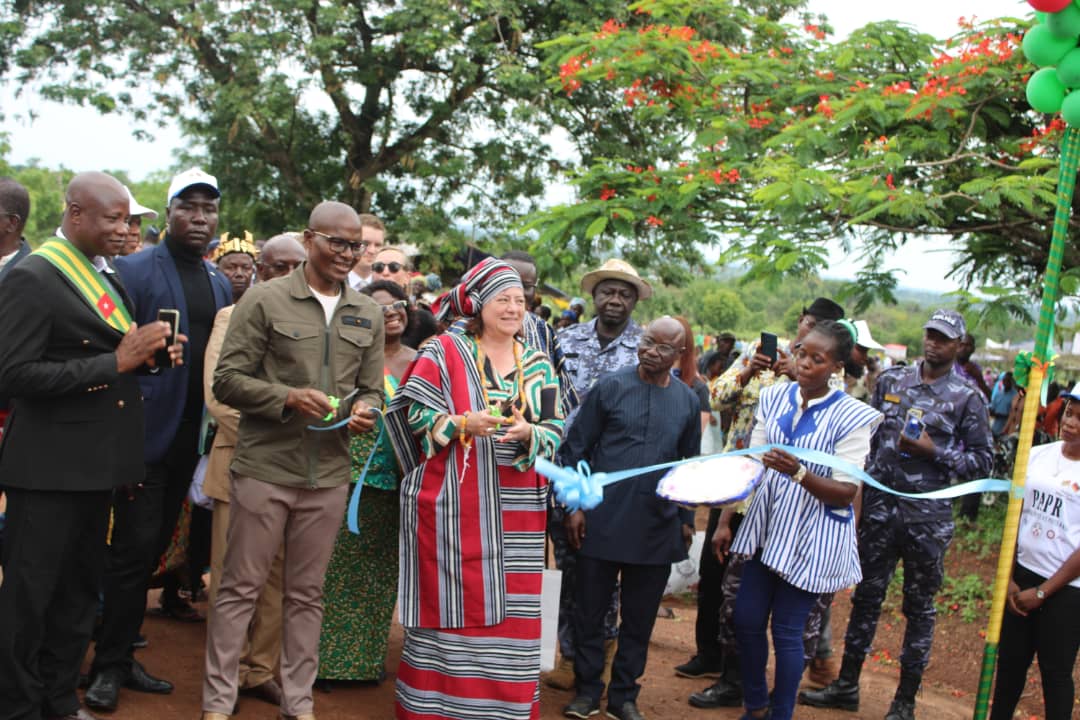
column 615, row 269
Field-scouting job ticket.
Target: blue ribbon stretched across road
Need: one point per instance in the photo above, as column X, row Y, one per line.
column 579, row 488
column 352, row 517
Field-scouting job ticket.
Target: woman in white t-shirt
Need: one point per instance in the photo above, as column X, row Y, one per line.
column 1044, row 595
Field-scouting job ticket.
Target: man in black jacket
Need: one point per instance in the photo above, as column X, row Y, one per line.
column 67, row 353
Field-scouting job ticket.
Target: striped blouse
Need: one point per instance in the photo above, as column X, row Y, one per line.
column 809, row 544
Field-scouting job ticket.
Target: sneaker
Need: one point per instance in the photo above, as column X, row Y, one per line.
column 720, row 694
column 901, row 710
column 841, row 694
column 698, row 667
column 582, row 707
column 627, row 711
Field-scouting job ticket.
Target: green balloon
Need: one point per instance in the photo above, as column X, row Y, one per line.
column 1068, row 69
column 1066, row 22
column 1044, row 48
column 1045, row 92
column 1070, row 109
column 1040, row 17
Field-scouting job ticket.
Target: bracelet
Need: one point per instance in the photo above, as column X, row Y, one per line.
column 464, row 424
column 799, row 475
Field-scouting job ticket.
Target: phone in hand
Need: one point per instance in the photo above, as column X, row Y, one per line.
column 162, row 359
column 767, row 346
column 913, row 425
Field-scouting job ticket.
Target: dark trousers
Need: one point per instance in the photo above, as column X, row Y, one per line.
column 641, row 588
column 1053, row 633
column 764, row 596
column 566, row 561
column 53, row 558
column 882, row 543
column 710, row 595
column 143, row 522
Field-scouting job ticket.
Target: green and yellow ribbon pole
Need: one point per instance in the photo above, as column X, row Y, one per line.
column 1070, row 161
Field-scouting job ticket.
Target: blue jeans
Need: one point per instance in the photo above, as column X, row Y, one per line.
column 761, row 594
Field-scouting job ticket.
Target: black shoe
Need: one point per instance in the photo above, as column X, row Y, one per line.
column 104, row 690
column 581, row 707
column 901, row 710
column 698, row 667
column 841, row 694
column 720, row 694
column 627, row 711
column 140, row 642
column 141, row 681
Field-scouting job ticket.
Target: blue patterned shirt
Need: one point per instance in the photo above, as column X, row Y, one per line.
column 587, row 362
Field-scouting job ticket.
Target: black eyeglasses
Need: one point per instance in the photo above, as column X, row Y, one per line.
column 647, row 343
column 396, row 306
column 338, row 245
column 380, row 266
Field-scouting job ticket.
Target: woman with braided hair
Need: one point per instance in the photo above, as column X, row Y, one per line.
column 471, row 416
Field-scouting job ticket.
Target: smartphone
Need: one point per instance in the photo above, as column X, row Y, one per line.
column 162, row 359
column 767, row 346
column 913, row 425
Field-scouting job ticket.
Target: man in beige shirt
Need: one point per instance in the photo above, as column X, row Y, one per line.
column 280, row 256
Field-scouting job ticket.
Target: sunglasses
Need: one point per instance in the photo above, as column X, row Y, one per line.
column 392, row 266
column 396, row 306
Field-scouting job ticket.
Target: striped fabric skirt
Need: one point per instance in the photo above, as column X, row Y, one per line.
column 486, row 673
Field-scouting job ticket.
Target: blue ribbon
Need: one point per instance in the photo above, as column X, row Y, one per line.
column 581, row 489
column 352, row 516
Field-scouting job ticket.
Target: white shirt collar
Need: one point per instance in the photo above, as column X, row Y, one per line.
column 98, row 261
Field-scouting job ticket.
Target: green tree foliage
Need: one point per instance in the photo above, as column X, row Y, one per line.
column 763, row 138
column 417, row 109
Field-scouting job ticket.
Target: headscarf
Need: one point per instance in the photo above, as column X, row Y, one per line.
column 478, row 286
column 228, row 246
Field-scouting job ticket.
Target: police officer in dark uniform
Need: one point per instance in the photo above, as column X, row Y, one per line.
column 935, row 429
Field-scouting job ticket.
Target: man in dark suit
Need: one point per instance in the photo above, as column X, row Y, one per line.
column 67, row 354
column 172, row 275
column 634, row 417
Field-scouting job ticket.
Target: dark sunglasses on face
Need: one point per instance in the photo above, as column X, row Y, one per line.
column 396, row 306
column 338, row 245
column 392, row 266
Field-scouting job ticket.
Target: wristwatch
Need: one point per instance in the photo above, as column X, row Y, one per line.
column 799, row 475
column 1039, row 593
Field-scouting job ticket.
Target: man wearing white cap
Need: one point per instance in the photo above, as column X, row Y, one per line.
column 173, row 276
column 855, row 368
column 133, row 241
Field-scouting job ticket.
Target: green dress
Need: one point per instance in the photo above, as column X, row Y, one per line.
column 361, row 581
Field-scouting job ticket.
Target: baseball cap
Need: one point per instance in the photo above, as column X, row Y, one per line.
column 1073, row 394
column 947, row 322
column 191, row 178
column 135, row 209
column 865, row 339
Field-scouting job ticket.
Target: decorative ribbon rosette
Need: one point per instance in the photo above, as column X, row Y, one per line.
column 718, row 480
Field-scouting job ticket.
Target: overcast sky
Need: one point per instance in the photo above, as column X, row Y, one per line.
column 81, row 139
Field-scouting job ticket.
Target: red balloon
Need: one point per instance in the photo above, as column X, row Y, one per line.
column 1049, row 6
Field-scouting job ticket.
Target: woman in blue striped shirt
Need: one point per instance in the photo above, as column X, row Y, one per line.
column 800, row 529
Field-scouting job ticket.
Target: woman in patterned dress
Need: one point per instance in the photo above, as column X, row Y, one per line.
column 468, row 422
column 361, row 580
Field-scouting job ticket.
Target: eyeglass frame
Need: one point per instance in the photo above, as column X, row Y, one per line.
column 665, row 350
column 402, row 305
column 389, row 266
column 358, row 247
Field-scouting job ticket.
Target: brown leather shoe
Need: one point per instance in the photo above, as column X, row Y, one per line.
column 822, row 671
column 80, row 714
column 268, row 692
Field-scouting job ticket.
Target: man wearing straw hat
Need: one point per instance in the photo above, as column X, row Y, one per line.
column 605, row 344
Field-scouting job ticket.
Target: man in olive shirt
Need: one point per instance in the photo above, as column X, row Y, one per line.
column 292, row 343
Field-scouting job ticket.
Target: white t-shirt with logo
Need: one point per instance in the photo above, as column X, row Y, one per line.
column 328, row 302
column 1050, row 522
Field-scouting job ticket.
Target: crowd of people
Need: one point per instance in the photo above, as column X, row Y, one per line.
column 307, row 419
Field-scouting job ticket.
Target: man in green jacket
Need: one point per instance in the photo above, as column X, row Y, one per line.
column 293, row 344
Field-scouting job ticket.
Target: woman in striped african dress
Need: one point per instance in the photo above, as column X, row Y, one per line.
column 468, row 422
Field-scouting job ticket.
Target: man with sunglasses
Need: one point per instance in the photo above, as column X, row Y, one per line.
column 392, row 264
column 303, row 363
column 634, row 417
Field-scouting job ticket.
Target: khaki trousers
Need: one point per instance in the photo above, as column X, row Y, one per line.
column 262, row 646
column 262, row 516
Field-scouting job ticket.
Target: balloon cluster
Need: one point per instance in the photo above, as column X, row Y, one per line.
column 1052, row 45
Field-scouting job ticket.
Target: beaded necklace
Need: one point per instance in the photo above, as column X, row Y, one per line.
column 467, row 439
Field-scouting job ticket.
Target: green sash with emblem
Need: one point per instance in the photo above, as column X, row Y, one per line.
column 98, row 292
